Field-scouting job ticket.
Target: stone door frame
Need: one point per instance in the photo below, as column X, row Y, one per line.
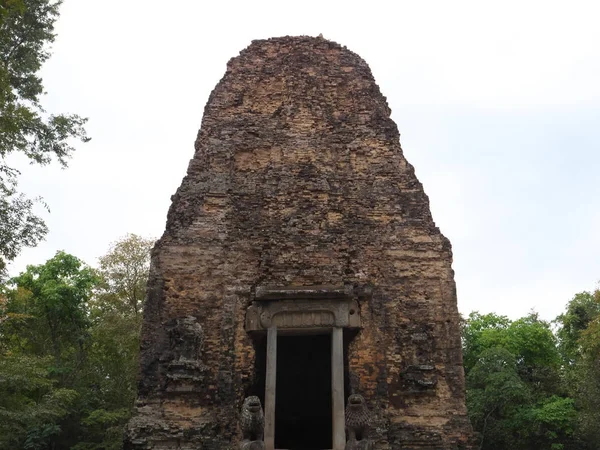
column 297, row 311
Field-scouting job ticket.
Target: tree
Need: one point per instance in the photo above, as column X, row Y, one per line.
column 583, row 308
column 44, row 341
column 494, row 392
column 109, row 385
column 52, row 299
column 26, row 30
column 69, row 344
column 579, row 343
column 515, row 397
column 479, row 332
column 124, row 270
column 31, row 405
column 588, row 390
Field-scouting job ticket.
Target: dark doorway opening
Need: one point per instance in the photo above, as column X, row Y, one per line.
column 303, row 393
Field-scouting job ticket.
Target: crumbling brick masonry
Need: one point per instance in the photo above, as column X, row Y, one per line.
column 298, row 195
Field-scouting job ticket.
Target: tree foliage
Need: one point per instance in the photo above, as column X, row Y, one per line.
column 116, row 315
column 124, row 270
column 515, row 396
column 26, row 31
column 32, row 405
column 530, row 388
column 583, row 309
column 69, row 341
column 44, row 333
column 579, row 334
column 52, row 299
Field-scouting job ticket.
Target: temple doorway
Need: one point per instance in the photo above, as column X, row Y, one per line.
column 303, row 406
column 302, row 363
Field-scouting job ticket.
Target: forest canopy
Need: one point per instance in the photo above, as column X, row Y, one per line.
column 69, row 341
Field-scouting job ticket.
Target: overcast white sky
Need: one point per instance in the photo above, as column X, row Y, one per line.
column 498, row 105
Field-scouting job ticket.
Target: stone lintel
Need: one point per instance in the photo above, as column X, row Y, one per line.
column 303, row 308
column 266, row 293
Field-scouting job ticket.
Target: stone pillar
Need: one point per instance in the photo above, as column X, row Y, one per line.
column 337, row 388
column 270, row 385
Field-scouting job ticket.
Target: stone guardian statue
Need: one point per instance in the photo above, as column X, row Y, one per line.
column 252, row 422
column 358, row 424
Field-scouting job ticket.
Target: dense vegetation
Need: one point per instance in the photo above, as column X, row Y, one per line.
column 531, row 388
column 69, row 339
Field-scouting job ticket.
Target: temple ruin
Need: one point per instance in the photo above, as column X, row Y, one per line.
column 300, row 275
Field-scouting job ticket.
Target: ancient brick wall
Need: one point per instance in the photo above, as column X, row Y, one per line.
column 298, row 179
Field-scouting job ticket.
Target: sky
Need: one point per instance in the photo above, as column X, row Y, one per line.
column 498, row 106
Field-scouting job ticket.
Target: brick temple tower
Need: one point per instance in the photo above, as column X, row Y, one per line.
column 301, row 264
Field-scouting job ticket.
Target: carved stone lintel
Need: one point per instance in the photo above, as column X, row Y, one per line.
column 321, row 308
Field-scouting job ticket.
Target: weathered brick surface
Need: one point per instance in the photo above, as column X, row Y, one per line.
column 298, row 179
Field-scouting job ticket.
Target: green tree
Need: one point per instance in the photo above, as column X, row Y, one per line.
column 53, row 298
column 588, row 388
column 44, row 340
column 480, row 332
column 124, row 270
column 515, row 396
column 31, row 405
column 73, row 334
column 579, row 337
column 109, row 385
column 26, row 31
column 583, row 308
column 494, row 394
